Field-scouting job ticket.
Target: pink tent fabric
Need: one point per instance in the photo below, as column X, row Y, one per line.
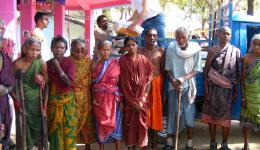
column 93, row 4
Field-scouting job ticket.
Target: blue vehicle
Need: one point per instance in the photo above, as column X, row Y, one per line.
column 243, row 28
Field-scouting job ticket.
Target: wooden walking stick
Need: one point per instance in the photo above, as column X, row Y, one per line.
column 22, row 119
column 44, row 122
column 178, row 120
column 18, row 117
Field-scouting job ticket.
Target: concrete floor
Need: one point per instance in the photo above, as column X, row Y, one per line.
column 201, row 139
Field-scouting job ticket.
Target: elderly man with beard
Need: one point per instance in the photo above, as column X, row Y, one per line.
column 183, row 62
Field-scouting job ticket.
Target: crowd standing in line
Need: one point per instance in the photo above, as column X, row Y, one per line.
column 110, row 100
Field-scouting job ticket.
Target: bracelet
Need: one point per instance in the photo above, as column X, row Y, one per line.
column 62, row 74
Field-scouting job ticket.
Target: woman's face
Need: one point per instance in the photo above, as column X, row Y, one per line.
column 105, row 51
column 59, row 49
column 225, row 36
column 131, row 47
column 79, row 51
column 32, row 51
column 256, row 46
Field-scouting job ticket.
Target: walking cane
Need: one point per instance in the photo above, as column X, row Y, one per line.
column 178, row 120
column 19, row 77
column 44, row 122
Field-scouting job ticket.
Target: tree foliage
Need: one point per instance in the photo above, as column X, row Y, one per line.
column 203, row 7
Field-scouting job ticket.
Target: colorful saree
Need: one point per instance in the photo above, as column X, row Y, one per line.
column 62, row 121
column 84, row 112
column 106, row 104
column 250, row 116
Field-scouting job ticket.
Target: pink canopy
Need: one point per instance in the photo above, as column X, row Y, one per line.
column 92, row 4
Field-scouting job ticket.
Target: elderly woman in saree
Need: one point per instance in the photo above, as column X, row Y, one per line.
column 106, row 105
column 86, row 128
column 250, row 90
column 33, row 73
column 221, row 77
column 62, row 119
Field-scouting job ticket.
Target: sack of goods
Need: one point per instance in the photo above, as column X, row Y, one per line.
column 121, row 28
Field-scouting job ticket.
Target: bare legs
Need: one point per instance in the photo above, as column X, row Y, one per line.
column 135, row 148
column 152, row 138
column 189, row 133
column 212, row 131
column 117, row 145
column 101, row 147
column 87, row 147
column 225, row 133
column 246, row 135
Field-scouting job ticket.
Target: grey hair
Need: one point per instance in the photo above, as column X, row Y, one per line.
column 105, row 42
column 255, row 37
column 223, row 28
column 2, row 22
column 29, row 41
column 181, row 30
column 77, row 41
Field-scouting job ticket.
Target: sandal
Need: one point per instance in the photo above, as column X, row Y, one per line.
column 213, row 146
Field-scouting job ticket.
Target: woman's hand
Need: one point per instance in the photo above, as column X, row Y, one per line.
column 17, row 105
column 38, row 78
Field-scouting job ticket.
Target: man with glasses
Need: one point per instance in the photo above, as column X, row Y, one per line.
column 155, row 54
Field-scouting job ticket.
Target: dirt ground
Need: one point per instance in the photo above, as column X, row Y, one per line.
column 201, row 139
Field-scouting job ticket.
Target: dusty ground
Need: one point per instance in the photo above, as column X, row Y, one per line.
column 201, row 139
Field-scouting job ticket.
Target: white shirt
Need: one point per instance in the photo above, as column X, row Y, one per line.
column 45, row 50
column 153, row 7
